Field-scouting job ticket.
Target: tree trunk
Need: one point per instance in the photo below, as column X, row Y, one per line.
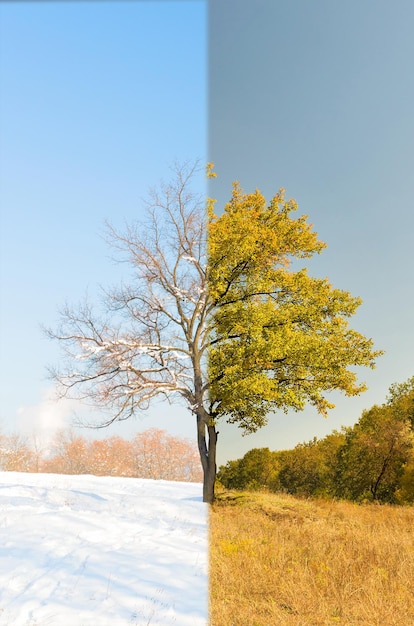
column 375, row 486
column 207, row 450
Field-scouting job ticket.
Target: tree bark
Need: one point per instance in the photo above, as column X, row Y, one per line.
column 207, row 448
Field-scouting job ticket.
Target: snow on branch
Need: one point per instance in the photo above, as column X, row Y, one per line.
column 149, row 341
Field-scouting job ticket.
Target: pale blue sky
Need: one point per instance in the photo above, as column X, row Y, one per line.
column 317, row 97
column 98, row 97
column 97, row 100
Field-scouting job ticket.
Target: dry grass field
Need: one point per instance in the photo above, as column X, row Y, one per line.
column 277, row 560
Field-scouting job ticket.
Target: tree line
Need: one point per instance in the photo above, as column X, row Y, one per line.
column 151, row 454
column 370, row 461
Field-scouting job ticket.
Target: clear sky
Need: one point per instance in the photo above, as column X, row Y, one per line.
column 317, row 97
column 97, row 98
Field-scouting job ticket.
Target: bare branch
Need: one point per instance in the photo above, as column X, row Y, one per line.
column 148, row 344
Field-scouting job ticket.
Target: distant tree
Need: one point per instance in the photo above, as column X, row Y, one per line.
column 110, row 457
column 308, row 469
column 377, row 459
column 258, row 469
column 15, row 454
column 213, row 316
column 371, row 462
column 68, row 454
column 151, row 454
column 405, row 491
column 302, row 470
column 38, row 449
column 160, row 455
column 230, row 475
column 329, row 448
column 401, row 399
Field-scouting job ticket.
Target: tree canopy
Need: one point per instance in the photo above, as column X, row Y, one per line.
column 279, row 337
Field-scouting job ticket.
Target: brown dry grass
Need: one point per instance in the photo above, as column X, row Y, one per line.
column 277, row 560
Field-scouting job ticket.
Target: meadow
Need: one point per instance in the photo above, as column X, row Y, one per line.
column 280, row 560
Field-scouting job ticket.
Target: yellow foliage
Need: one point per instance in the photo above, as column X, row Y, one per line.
column 209, row 171
column 279, row 338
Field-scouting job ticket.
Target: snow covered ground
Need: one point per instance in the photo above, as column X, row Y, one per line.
column 101, row 551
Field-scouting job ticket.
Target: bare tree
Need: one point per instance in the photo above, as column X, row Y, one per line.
column 156, row 454
column 68, row 454
column 15, row 454
column 152, row 340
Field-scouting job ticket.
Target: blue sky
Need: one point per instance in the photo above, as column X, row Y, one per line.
column 317, row 97
column 97, row 100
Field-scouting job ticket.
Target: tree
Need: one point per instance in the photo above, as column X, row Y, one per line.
column 371, row 461
column 69, row 454
column 405, row 492
column 280, row 338
column 110, row 457
column 153, row 340
column 151, row 454
column 302, row 470
column 214, row 317
column 15, row 454
column 156, row 454
column 376, row 459
column 258, row 469
column 401, row 399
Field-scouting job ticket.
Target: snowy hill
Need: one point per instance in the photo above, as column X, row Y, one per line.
column 101, row 551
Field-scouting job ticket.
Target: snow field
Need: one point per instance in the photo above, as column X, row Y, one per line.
column 100, row 551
